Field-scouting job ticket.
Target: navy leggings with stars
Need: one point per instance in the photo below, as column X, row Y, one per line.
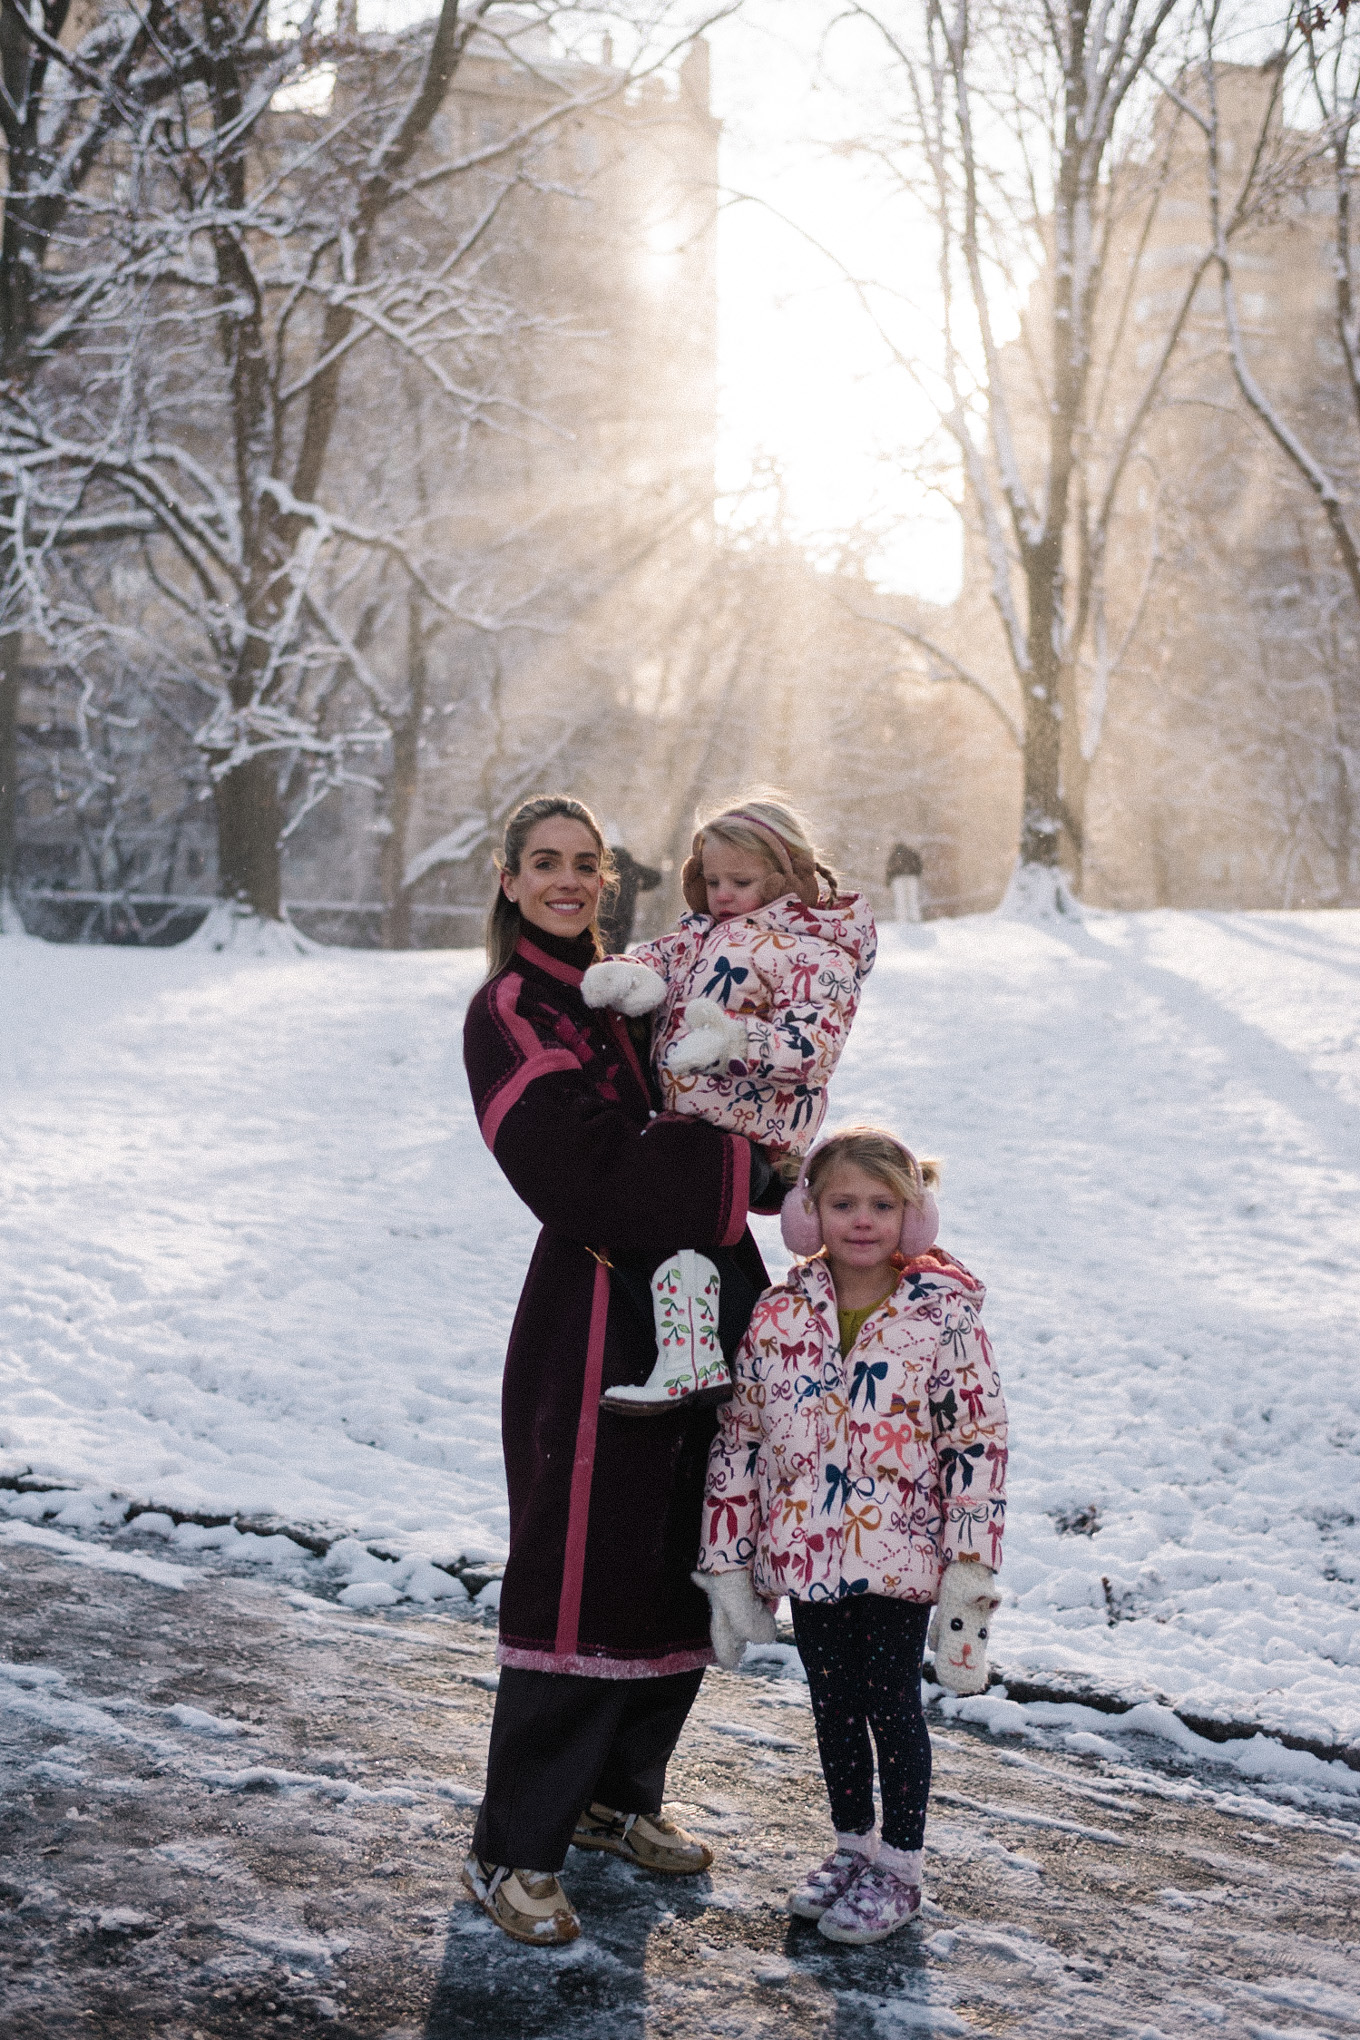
column 862, row 1657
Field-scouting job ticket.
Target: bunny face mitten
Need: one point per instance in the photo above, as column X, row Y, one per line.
column 958, row 1632
column 713, row 1039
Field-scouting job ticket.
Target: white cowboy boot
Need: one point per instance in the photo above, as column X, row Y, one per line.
column 689, row 1362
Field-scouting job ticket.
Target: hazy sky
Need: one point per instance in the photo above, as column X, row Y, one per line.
column 804, row 378
column 806, row 383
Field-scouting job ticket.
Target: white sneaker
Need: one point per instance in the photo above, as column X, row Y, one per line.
column 690, row 1367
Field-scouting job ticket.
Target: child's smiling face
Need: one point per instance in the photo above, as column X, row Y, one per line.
column 734, row 879
column 861, row 1224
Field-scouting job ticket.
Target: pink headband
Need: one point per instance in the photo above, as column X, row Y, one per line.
column 762, row 829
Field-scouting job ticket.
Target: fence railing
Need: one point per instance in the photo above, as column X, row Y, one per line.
column 941, row 905
column 72, row 897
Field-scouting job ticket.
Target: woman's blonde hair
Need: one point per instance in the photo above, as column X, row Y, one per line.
column 881, row 1156
column 503, row 922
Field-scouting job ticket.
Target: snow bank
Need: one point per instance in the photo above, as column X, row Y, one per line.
column 1090, row 1733
column 1151, row 1134
column 255, row 1259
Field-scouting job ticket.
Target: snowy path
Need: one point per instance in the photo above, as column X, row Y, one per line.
column 231, row 1809
column 253, row 1257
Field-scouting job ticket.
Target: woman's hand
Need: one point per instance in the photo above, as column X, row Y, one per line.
column 713, row 1039
column 627, row 987
column 737, row 1615
column 959, row 1626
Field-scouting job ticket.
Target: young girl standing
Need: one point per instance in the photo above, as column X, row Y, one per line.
column 753, row 994
column 860, row 1468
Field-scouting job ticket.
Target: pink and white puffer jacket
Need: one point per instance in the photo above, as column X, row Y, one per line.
column 865, row 1474
column 794, row 974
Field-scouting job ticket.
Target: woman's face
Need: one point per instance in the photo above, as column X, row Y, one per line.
column 557, row 887
column 861, row 1218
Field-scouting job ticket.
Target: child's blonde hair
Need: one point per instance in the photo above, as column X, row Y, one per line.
column 881, row 1156
column 765, row 824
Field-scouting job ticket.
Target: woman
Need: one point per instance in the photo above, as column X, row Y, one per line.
column 603, row 1638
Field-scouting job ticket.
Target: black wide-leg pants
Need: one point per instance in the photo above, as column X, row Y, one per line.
column 558, row 1742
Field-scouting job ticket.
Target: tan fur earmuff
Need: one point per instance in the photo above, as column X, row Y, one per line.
column 692, row 877
column 806, row 882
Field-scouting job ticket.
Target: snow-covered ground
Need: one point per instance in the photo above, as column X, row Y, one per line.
column 254, row 1257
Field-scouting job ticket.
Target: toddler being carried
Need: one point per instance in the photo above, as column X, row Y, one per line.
column 753, row 996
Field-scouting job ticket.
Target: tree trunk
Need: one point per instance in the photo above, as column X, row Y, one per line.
column 401, row 799
column 1074, row 777
column 1041, row 817
column 249, row 821
column 402, row 788
column 1346, row 718
column 11, row 651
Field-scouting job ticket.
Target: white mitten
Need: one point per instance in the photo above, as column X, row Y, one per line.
column 713, row 1037
column 628, row 987
column 958, row 1628
column 737, row 1615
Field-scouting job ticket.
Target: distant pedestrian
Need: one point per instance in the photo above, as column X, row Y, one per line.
column 618, row 913
column 904, row 878
column 860, row 1469
column 603, row 1635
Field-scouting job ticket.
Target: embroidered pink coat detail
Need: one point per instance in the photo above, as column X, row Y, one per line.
column 794, row 974
column 868, row 1473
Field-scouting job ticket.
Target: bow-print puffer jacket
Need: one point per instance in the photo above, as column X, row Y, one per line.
column 794, row 975
column 865, row 1474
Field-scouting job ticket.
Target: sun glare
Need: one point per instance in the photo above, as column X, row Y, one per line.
column 807, row 389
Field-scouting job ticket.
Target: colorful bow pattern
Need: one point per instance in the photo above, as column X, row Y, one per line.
column 866, row 1473
column 794, row 974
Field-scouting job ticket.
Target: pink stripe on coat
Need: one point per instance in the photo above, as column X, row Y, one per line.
column 582, row 1469
column 538, row 1061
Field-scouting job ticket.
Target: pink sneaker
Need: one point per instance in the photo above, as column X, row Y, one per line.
column 829, row 1882
column 873, row 1906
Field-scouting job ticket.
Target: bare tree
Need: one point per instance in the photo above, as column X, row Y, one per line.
column 1024, row 136
column 294, row 236
column 1317, row 432
column 62, row 101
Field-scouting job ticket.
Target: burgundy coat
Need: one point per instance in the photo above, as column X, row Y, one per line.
column 604, row 1509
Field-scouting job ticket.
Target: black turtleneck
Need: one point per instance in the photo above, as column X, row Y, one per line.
column 577, row 950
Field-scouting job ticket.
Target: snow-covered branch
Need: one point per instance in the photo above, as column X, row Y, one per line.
column 259, row 357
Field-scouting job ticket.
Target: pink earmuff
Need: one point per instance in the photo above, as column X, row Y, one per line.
column 920, row 1228
column 801, row 1228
